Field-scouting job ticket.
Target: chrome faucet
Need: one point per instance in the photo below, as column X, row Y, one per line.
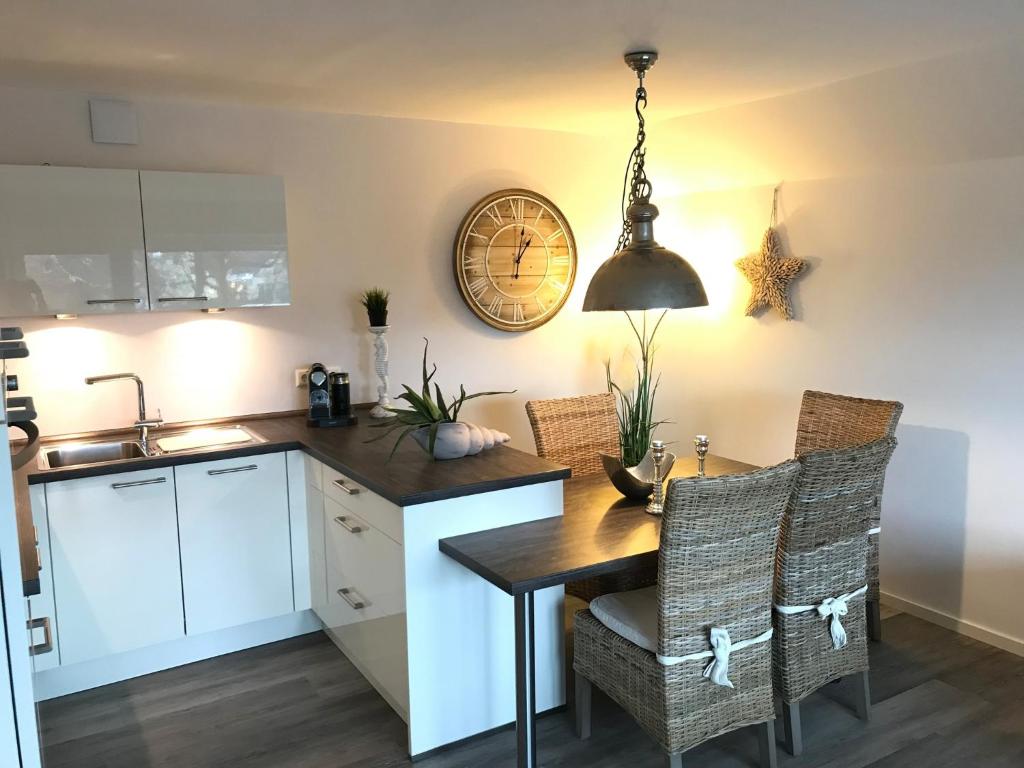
column 142, row 423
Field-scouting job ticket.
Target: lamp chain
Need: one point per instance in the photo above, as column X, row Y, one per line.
column 635, row 185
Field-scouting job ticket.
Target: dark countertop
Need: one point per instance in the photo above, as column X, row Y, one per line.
column 410, row 478
column 600, row 532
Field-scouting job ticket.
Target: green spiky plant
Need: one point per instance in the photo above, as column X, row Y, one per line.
column 375, row 300
column 427, row 410
column 636, row 406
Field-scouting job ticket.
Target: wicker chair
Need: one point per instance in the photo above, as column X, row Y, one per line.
column 821, row 573
column 838, row 421
column 718, row 544
column 575, row 431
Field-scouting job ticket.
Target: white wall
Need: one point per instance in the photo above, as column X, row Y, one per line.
column 903, row 191
column 370, row 201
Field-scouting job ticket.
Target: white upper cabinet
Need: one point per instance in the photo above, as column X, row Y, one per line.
column 70, row 241
column 215, row 240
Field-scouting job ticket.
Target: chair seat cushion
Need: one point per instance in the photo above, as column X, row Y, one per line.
column 632, row 615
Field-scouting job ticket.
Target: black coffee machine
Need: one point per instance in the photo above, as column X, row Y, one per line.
column 330, row 403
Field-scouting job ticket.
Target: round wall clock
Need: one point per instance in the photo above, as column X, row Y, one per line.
column 515, row 259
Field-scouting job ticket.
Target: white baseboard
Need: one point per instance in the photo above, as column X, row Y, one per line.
column 967, row 628
column 60, row 681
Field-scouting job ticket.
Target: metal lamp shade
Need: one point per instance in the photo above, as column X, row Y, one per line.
column 644, row 275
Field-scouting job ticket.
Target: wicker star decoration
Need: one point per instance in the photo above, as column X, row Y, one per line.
column 769, row 274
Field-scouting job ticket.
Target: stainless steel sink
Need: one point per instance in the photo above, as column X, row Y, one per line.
column 78, row 454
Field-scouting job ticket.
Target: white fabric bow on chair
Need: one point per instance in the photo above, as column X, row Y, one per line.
column 721, row 646
column 832, row 609
column 835, row 608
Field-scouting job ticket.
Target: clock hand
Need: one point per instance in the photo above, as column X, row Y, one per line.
column 519, row 258
column 519, row 252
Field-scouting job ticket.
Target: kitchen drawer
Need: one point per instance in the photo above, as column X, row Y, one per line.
column 378, row 512
column 314, row 472
column 363, row 560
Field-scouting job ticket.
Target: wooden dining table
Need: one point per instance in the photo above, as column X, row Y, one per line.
column 599, row 532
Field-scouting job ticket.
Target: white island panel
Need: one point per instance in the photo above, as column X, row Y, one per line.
column 460, row 628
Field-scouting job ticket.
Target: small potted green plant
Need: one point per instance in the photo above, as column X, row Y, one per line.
column 375, row 300
column 633, row 468
column 636, row 406
column 433, row 422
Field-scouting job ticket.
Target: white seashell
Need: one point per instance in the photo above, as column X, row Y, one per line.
column 488, row 434
column 452, row 440
column 476, row 439
column 502, row 437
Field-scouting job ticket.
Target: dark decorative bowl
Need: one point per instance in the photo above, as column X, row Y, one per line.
column 637, row 482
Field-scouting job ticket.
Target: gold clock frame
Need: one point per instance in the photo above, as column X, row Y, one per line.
column 471, row 216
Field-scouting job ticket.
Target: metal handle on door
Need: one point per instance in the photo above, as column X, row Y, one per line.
column 113, row 301
column 229, row 470
column 136, row 483
column 350, row 527
column 184, row 298
column 37, row 649
column 356, row 602
column 350, row 490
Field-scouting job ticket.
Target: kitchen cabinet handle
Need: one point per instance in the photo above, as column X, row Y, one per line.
column 356, row 602
column 229, row 470
column 349, row 489
column 184, row 298
column 113, row 301
column 350, row 527
column 37, row 649
column 136, row 483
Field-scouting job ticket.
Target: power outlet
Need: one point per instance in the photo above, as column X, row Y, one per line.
column 301, row 375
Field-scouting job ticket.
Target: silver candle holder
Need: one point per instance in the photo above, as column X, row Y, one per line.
column 657, row 503
column 701, row 445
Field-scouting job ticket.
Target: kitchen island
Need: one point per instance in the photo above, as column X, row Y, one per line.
column 353, row 536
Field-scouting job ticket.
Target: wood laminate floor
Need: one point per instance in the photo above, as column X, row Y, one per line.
column 941, row 700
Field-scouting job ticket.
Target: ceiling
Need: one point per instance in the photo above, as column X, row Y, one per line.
column 542, row 63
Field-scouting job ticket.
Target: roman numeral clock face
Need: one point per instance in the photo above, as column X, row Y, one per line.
column 515, row 260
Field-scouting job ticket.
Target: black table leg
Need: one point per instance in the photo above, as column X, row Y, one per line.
column 526, row 694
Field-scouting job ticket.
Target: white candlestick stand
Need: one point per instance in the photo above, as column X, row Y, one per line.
column 380, row 367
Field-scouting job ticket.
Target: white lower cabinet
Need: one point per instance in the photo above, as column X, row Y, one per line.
column 365, row 611
column 114, row 552
column 434, row 639
column 317, row 548
column 42, row 611
column 236, row 564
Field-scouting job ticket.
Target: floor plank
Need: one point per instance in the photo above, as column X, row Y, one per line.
column 940, row 700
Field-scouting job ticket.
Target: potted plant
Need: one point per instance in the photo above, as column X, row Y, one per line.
column 375, row 300
column 632, row 470
column 636, row 406
column 434, row 422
